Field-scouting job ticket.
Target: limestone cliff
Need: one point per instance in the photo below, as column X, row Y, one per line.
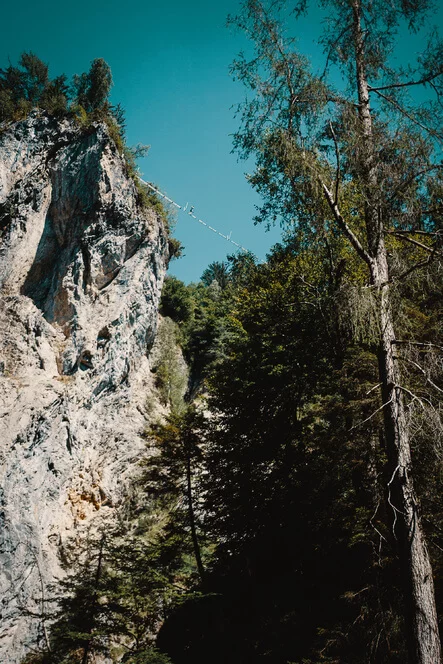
column 81, row 270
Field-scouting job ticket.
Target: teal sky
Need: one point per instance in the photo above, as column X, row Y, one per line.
column 170, row 65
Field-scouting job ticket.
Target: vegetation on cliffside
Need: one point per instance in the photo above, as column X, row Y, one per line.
column 85, row 100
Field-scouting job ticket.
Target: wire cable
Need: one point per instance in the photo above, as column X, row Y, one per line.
column 191, row 214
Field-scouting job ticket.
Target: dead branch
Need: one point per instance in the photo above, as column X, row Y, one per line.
column 414, row 267
column 337, row 158
column 395, row 509
column 371, row 416
column 353, row 239
column 411, row 240
column 428, row 130
column 423, row 371
column 405, row 84
column 426, row 345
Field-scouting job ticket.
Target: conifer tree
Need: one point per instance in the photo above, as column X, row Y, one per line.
column 173, row 472
column 92, row 89
column 312, row 144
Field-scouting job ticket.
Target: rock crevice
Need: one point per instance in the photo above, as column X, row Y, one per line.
column 81, row 271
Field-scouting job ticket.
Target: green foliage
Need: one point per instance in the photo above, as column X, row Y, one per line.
column 171, row 374
column 217, row 272
column 205, row 333
column 35, row 77
column 286, row 491
column 327, row 164
column 55, row 95
column 29, row 86
column 148, row 656
column 118, row 588
column 92, row 89
column 175, row 248
column 80, row 116
column 173, row 472
column 146, row 197
column 202, row 312
column 7, row 106
column 176, row 301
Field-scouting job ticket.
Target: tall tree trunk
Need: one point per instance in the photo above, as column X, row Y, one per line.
column 191, row 515
column 87, row 648
column 421, row 614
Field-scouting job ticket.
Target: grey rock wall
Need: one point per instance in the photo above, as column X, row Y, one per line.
column 81, row 270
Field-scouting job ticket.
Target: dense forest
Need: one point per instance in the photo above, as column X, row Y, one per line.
column 289, row 508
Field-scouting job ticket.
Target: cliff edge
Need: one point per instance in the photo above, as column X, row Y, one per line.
column 81, row 271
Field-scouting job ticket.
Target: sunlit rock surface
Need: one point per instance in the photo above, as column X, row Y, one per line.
column 81, row 270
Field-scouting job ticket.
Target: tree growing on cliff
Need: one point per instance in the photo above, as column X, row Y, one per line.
column 28, row 86
column 92, row 89
column 364, row 163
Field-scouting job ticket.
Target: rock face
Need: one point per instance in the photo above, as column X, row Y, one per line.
column 81, row 270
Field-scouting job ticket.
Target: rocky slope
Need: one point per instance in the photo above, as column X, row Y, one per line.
column 81, row 270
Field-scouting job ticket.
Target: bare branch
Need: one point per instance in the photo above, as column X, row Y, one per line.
column 337, row 157
column 372, row 415
column 416, row 398
column 413, row 232
column 406, row 84
column 413, row 177
column 403, row 111
column 414, row 267
column 382, row 537
column 423, row 371
column 404, row 237
column 395, row 509
column 373, row 388
column 353, row 239
column 416, row 343
column 332, row 48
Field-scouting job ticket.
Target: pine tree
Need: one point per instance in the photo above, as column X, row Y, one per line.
column 312, row 144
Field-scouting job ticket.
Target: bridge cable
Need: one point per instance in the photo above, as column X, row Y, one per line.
column 191, row 214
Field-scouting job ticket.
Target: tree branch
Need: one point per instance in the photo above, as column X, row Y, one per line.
column 420, row 368
column 401, row 236
column 395, row 509
column 371, row 415
column 410, row 117
column 416, row 343
column 353, row 239
column 411, row 179
column 414, row 267
column 413, row 232
column 406, row 84
column 337, row 158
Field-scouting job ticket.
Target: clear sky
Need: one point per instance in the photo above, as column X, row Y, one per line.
column 170, row 65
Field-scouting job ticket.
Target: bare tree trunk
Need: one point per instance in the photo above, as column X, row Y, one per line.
column 421, row 614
